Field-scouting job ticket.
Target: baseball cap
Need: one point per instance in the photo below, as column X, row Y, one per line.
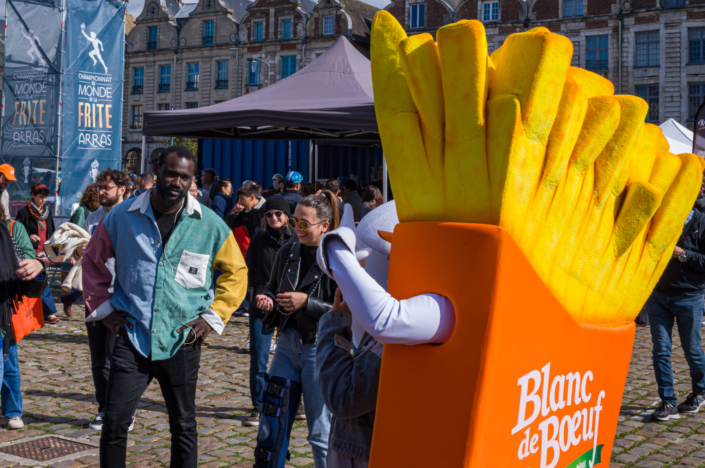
column 9, row 172
column 294, row 177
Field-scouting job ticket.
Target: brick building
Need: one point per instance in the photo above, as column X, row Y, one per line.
column 662, row 53
column 197, row 54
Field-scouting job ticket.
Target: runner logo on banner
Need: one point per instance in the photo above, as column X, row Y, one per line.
column 93, row 85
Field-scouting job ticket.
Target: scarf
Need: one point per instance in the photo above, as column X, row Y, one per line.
column 10, row 256
column 40, row 216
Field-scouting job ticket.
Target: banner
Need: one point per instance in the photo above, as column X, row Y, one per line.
column 93, row 86
column 699, row 132
column 31, row 80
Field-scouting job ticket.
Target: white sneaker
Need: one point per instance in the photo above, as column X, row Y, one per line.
column 132, row 425
column 273, row 347
column 15, row 423
column 247, row 346
column 97, row 423
column 245, row 314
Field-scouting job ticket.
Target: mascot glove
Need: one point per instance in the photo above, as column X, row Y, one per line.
column 347, row 234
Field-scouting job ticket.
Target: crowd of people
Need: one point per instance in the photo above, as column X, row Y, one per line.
column 198, row 253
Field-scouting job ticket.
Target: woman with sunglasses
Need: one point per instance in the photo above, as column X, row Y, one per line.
column 260, row 257
column 297, row 296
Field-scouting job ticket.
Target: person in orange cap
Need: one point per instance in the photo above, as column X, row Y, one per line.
column 7, row 175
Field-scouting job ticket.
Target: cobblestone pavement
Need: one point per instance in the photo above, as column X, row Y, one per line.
column 58, row 399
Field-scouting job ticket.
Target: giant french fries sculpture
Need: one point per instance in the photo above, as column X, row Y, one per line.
column 549, row 209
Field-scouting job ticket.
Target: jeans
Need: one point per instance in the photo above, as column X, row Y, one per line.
column 260, row 345
column 687, row 311
column 100, row 343
column 48, row 302
column 11, row 393
column 295, row 361
column 130, row 373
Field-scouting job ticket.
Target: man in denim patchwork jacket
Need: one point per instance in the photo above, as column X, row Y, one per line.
column 166, row 249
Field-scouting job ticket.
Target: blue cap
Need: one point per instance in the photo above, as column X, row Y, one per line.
column 294, row 177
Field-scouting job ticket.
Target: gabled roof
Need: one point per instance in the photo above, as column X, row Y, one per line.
column 185, row 10
column 170, row 6
column 239, row 7
column 360, row 13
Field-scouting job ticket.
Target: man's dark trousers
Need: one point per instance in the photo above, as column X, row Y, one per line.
column 687, row 311
column 100, row 343
column 130, row 374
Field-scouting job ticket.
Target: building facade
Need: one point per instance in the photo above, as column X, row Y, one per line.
column 654, row 49
column 181, row 56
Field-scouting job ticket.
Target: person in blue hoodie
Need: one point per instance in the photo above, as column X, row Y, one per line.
column 222, row 202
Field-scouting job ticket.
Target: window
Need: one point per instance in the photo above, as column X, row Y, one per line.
column 575, row 60
column 696, row 93
column 163, row 107
column 672, row 3
column 253, row 72
column 192, row 80
column 152, row 35
column 136, row 117
column 286, row 29
column 328, row 25
column 137, row 80
column 696, row 48
column 208, row 32
column 288, row 65
column 164, row 78
column 191, row 105
column 573, row 8
column 221, row 77
column 650, row 95
column 418, row 15
column 490, row 11
column 259, row 31
column 153, row 10
column 647, row 49
column 598, row 53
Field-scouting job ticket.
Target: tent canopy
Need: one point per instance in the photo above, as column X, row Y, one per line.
column 329, row 99
column 679, row 138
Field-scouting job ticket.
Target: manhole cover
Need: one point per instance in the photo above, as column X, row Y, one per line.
column 46, row 448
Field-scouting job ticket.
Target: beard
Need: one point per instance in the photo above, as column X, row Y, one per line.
column 168, row 198
column 108, row 202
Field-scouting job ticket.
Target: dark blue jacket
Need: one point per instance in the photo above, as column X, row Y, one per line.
column 687, row 277
column 221, row 204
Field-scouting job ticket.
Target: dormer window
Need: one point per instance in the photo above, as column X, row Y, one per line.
column 418, row 15
column 328, row 25
column 490, row 11
column 209, row 4
column 286, row 29
column 258, row 31
column 152, row 10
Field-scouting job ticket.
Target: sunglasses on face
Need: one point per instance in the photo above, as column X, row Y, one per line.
column 303, row 225
column 271, row 214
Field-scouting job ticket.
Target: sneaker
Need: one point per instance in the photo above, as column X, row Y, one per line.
column 253, row 419
column 665, row 412
column 97, row 423
column 247, row 346
column 301, row 414
column 273, row 347
column 52, row 319
column 15, row 423
column 245, row 314
column 692, row 404
column 132, row 425
column 67, row 302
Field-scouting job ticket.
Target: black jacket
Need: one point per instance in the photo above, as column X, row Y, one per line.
column 30, row 223
column 260, row 258
column 286, row 273
column 249, row 222
column 687, row 277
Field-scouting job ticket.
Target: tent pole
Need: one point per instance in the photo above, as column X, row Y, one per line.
column 144, row 148
column 315, row 164
column 310, row 161
column 384, row 178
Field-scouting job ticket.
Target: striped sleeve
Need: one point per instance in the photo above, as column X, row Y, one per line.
column 231, row 285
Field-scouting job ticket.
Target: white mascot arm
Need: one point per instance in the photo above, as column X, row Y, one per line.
column 428, row 318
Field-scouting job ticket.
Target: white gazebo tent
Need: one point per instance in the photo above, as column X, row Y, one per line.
column 679, row 137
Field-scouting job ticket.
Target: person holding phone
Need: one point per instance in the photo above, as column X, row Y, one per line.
column 296, row 297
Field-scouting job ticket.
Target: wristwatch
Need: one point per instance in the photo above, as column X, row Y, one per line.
column 683, row 257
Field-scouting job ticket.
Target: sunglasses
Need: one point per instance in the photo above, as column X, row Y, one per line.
column 271, row 214
column 106, row 188
column 303, row 225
